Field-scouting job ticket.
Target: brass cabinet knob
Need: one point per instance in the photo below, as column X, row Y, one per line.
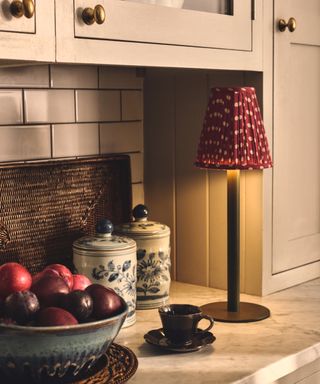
column 98, row 15
column 291, row 25
column 22, row 8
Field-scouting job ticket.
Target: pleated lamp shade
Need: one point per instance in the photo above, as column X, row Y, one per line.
column 233, row 135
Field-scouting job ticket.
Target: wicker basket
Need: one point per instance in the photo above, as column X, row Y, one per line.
column 45, row 206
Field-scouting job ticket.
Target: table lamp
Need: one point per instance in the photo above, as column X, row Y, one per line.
column 233, row 138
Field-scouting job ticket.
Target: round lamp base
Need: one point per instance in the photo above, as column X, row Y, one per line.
column 248, row 312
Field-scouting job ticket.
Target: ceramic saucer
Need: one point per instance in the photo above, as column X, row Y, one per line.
column 156, row 337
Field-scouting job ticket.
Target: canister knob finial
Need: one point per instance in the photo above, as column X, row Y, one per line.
column 140, row 212
column 104, row 226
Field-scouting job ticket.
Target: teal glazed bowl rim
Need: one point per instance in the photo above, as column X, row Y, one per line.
column 59, row 349
column 83, row 326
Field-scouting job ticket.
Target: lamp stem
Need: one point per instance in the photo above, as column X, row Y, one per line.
column 232, row 310
column 233, row 180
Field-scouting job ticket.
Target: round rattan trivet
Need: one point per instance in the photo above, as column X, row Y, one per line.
column 117, row 366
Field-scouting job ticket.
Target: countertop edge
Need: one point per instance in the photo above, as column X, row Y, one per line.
column 283, row 367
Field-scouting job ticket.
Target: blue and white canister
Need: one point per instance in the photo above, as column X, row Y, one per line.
column 153, row 258
column 111, row 261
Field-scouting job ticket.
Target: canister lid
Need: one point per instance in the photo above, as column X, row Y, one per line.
column 104, row 240
column 141, row 226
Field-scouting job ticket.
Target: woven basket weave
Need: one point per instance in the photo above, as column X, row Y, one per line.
column 45, row 206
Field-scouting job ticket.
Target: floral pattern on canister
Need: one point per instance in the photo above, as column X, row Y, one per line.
column 111, row 261
column 153, row 276
column 153, row 257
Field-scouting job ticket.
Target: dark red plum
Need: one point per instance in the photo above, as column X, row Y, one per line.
column 53, row 316
column 21, row 306
column 79, row 303
column 106, row 302
column 49, row 290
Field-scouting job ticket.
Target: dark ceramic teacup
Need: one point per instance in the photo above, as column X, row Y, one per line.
column 180, row 322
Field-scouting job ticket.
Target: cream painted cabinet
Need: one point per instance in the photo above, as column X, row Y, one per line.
column 27, row 33
column 295, row 223
column 137, row 33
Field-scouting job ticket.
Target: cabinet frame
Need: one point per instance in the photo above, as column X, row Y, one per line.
column 70, row 49
column 30, row 40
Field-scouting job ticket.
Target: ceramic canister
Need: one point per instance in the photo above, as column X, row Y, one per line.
column 153, row 258
column 109, row 260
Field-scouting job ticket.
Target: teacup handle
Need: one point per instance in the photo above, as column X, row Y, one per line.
column 210, row 319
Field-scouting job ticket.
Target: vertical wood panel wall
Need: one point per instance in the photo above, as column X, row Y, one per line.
column 192, row 201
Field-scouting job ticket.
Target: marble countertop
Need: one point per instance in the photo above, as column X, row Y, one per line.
column 259, row 352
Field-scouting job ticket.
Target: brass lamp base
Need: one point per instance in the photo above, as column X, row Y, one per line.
column 248, row 312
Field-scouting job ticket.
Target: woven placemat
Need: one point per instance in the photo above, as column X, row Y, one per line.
column 45, row 206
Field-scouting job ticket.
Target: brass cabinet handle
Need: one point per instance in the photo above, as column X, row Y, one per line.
column 291, row 24
column 98, row 15
column 22, row 8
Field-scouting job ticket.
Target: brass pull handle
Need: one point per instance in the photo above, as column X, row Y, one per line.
column 22, row 8
column 98, row 15
column 291, row 25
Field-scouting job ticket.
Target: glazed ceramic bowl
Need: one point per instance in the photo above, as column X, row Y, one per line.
column 54, row 351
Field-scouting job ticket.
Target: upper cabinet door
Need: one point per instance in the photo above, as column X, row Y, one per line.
column 220, row 24
column 27, row 30
column 161, row 33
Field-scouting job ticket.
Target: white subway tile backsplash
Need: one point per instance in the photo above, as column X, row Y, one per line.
column 119, row 78
column 24, row 142
column 121, row 137
column 74, row 76
column 75, row 140
column 136, row 161
column 137, row 194
column 25, row 76
column 11, row 111
column 97, row 105
column 131, row 105
column 68, row 106
column 49, row 106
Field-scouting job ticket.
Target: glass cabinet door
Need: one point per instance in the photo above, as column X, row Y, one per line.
column 222, row 24
column 223, row 7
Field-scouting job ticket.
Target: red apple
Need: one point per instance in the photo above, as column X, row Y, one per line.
column 49, row 290
column 106, row 302
column 14, row 278
column 64, row 273
column 80, row 282
column 45, row 272
column 53, row 316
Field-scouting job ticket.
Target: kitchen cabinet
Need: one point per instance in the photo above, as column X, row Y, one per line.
column 294, row 195
column 29, row 37
column 134, row 33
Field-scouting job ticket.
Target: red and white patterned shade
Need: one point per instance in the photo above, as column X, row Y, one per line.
column 233, row 135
